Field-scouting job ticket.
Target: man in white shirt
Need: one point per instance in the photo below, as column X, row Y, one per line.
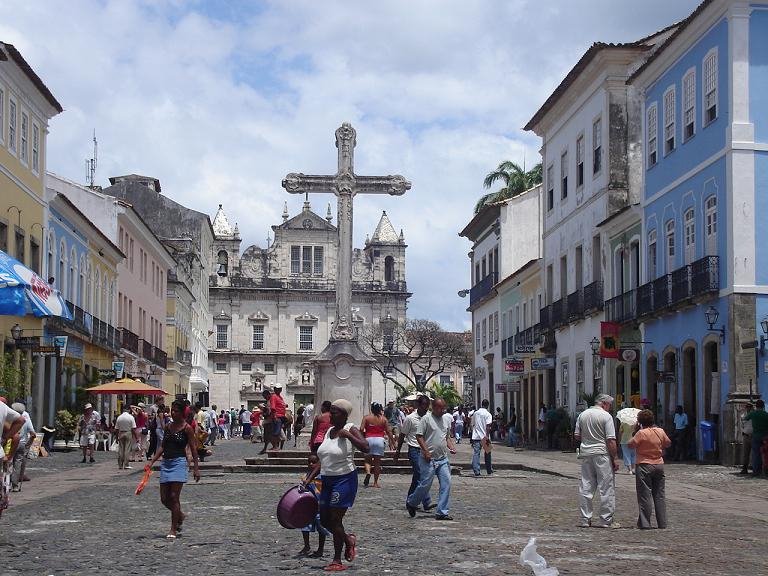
column 596, row 434
column 212, row 425
column 433, row 435
column 125, row 426
column 26, row 437
column 481, row 429
column 408, row 432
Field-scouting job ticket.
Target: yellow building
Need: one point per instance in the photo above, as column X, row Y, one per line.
column 26, row 106
column 178, row 333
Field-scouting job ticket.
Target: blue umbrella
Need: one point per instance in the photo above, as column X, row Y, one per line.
column 23, row 292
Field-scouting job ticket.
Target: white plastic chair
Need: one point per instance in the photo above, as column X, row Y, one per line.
column 103, row 439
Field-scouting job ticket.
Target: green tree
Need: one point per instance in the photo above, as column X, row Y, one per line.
column 447, row 392
column 12, row 378
column 514, row 179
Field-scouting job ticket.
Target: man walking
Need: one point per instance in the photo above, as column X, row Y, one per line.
column 759, row 419
column 277, row 409
column 88, row 425
column 408, row 433
column 680, row 436
column 481, row 438
column 597, row 437
column 212, row 423
column 26, row 437
column 435, row 442
column 125, row 426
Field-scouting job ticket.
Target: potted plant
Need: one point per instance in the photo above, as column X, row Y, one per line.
column 66, row 426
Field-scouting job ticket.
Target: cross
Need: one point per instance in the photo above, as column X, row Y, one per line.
column 345, row 185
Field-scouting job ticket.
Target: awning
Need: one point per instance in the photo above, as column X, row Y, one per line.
column 127, row 386
column 22, row 292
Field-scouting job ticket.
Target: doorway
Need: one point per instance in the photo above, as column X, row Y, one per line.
column 652, row 385
column 690, row 405
column 711, row 396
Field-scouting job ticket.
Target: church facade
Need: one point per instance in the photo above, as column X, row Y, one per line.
column 273, row 308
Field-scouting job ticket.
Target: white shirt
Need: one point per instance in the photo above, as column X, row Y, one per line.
column 336, row 454
column 409, row 427
column 595, row 426
column 8, row 414
column 125, row 422
column 481, row 419
column 309, row 413
column 26, row 429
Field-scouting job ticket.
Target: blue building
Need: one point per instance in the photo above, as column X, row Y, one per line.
column 704, row 93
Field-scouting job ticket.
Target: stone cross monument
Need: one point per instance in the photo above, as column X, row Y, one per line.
column 343, row 370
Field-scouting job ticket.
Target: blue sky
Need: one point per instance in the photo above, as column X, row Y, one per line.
column 219, row 100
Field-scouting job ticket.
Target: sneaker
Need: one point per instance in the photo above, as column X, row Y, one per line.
column 605, row 525
column 411, row 511
column 127, row 467
column 443, row 517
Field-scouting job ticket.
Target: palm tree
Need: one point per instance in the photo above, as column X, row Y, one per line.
column 515, row 181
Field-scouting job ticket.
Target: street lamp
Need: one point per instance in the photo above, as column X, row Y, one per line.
column 463, row 293
column 16, row 332
column 763, row 339
column 595, row 345
column 711, row 316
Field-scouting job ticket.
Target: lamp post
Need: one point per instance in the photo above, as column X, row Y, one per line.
column 711, row 316
column 596, row 359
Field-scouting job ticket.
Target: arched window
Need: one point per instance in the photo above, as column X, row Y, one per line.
column 61, row 280
column 389, row 269
column 711, row 224
column 50, row 269
column 97, row 295
column 110, row 302
column 81, row 283
column 222, row 260
column 72, row 274
column 87, row 304
column 690, row 235
column 670, row 245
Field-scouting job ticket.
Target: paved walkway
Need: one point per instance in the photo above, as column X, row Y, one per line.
column 83, row 518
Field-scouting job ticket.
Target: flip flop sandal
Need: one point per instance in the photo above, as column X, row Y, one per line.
column 350, row 552
column 335, row 567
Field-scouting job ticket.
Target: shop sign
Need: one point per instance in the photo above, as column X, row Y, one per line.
column 543, row 363
column 45, row 351
column 515, row 366
column 524, row 349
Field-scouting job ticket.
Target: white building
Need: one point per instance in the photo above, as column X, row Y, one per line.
column 503, row 242
column 273, row 307
column 591, row 148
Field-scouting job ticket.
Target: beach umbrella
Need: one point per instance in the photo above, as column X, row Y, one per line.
column 127, row 386
column 22, row 292
column 628, row 416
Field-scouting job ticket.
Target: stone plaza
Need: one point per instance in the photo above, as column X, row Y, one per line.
column 83, row 519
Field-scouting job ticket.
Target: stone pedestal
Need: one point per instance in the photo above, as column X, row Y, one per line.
column 343, row 370
column 731, row 446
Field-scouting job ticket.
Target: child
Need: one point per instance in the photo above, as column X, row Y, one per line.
column 315, row 486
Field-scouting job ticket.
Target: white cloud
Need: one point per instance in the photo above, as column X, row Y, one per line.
column 219, row 100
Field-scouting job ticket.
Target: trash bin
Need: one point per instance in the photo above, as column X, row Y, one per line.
column 707, row 435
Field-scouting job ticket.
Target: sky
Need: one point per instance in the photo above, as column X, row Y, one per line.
column 221, row 99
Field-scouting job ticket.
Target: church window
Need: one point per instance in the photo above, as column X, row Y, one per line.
column 305, row 338
column 246, row 367
column 389, row 269
column 318, row 264
column 269, row 367
column 295, row 259
column 306, row 259
column 221, row 336
column 258, row 337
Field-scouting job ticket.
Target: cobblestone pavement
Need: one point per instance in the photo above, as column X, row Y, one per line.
column 85, row 519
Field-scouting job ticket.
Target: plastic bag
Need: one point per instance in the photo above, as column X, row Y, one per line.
column 529, row 557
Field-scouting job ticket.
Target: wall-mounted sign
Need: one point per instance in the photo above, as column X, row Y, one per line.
column 524, row 349
column 45, row 351
column 514, row 366
column 508, row 386
column 60, row 342
column 119, row 369
column 629, row 354
column 543, row 363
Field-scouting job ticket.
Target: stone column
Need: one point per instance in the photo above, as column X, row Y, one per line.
column 343, row 370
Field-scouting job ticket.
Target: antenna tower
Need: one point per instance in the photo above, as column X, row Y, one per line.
column 90, row 165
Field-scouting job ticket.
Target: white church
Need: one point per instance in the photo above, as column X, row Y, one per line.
column 273, row 307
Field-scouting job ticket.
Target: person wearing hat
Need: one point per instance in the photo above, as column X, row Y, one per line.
column 337, row 466
column 88, row 424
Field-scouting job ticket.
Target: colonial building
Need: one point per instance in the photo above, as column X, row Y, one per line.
column 188, row 236
column 502, row 243
column 26, row 106
column 141, row 277
column 273, row 307
column 590, row 129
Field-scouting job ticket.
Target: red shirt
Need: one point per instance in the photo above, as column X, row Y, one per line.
column 256, row 418
column 277, row 404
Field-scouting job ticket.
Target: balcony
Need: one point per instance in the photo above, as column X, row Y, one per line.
column 557, row 315
column 661, row 292
column 681, row 285
column 545, row 319
column 645, row 300
column 129, row 340
column 145, row 349
column 482, row 289
column 622, row 308
column 575, row 306
column 526, row 337
column 593, row 297
column 159, row 357
column 705, row 276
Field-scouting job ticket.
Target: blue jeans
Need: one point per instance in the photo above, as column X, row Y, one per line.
column 477, row 447
column 440, row 468
column 459, row 429
column 413, row 457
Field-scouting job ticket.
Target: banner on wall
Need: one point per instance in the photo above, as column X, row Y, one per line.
column 609, row 339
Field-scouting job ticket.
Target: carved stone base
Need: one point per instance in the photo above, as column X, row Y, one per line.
column 343, row 370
